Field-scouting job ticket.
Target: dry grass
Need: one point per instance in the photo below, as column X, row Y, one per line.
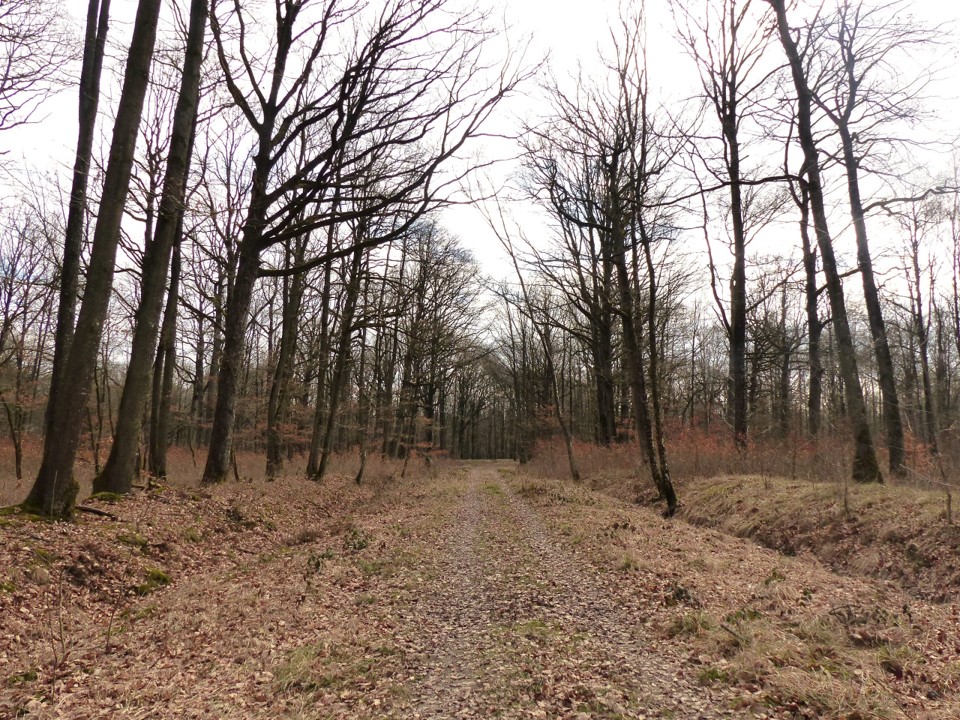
column 785, row 630
column 818, row 663
column 893, row 532
column 697, row 453
column 793, row 637
column 795, row 496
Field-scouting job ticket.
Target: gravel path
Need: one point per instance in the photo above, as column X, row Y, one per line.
column 476, row 592
column 513, row 625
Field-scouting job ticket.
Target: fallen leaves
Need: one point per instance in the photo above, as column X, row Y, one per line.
column 473, row 593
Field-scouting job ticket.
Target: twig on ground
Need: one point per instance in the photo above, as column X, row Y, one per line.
column 321, row 508
column 97, row 511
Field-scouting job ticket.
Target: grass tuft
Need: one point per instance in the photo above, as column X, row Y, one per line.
column 107, row 497
column 134, row 540
column 155, row 579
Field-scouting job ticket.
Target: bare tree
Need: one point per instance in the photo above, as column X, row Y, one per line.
column 403, row 99
column 117, row 475
column 95, row 38
column 55, row 489
column 728, row 43
column 865, row 465
column 601, row 163
column 856, row 81
column 916, row 221
column 35, row 47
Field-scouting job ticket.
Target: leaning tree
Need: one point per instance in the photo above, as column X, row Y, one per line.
column 393, row 92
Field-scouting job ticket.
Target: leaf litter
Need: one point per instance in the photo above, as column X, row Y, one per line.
column 471, row 592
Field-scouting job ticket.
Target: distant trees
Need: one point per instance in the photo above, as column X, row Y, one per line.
column 599, row 165
column 35, row 45
column 288, row 285
column 400, row 103
column 94, row 46
column 27, row 292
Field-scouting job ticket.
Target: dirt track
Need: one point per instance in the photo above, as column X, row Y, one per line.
column 473, row 593
column 514, row 625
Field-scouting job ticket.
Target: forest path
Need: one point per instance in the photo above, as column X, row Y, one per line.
column 513, row 624
column 469, row 590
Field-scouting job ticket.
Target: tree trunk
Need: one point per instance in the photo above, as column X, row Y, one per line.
column 218, row 465
column 786, row 352
column 117, row 475
column 216, row 353
column 871, row 296
column 163, row 375
column 603, row 374
column 239, row 300
column 865, row 465
column 313, row 458
column 340, row 363
column 98, row 14
column 738, row 282
column 666, row 484
column 923, row 341
column 278, row 401
column 634, row 356
column 56, row 489
column 385, row 401
column 363, row 393
column 196, row 400
column 814, row 326
column 14, row 412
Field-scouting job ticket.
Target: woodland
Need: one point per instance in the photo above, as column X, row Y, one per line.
column 246, row 311
column 296, row 293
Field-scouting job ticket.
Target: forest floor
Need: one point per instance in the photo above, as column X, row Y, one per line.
column 470, row 591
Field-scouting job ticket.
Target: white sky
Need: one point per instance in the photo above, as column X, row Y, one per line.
column 569, row 31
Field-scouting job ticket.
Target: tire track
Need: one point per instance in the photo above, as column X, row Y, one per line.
column 513, row 625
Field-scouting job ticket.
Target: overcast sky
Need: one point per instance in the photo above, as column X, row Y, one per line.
column 570, row 32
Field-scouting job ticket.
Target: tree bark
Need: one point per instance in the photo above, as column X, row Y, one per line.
column 218, row 467
column 117, row 475
column 865, row 465
column 738, row 282
column 98, row 14
column 603, row 375
column 57, row 488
